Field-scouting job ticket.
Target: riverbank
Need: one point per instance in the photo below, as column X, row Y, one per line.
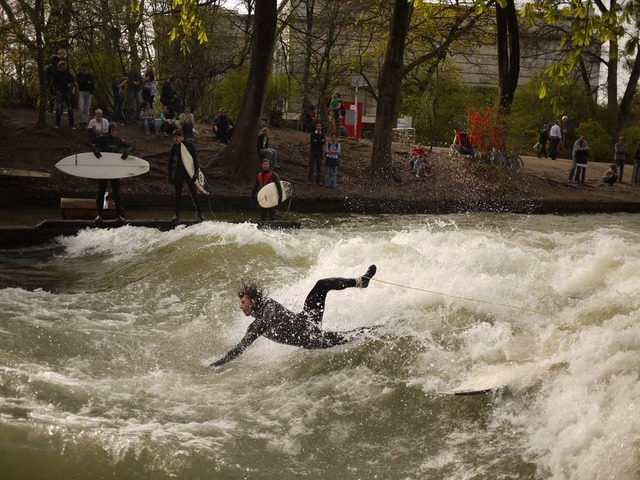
column 455, row 185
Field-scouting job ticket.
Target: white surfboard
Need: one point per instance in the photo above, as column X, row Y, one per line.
column 187, row 161
column 492, row 378
column 108, row 166
column 268, row 195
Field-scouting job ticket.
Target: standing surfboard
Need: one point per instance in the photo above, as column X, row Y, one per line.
column 187, row 161
column 108, row 166
column 268, row 195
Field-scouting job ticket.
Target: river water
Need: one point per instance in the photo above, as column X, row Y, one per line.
column 105, row 338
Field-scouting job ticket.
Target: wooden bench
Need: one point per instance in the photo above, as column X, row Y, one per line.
column 85, row 209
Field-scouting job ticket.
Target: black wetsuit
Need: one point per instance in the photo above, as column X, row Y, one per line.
column 304, row 329
column 109, row 143
column 178, row 175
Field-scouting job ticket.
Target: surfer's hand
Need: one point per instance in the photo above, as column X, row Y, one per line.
column 97, row 153
column 124, row 156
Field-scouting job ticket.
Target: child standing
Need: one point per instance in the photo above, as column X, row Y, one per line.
column 331, row 160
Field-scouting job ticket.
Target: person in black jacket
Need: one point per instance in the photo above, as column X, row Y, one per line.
column 113, row 144
column 65, row 86
column 86, row 86
column 181, row 152
column 277, row 323
column 317, row 141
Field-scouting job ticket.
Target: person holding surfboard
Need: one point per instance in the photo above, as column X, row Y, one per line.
column 279, row 324
column 183, row 167
column 266, row 176
column 113, row 144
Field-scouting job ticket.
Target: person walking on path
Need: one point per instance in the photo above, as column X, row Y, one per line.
column 181, row 152
column 542, row 140
column 279, row 324
column 555, row 137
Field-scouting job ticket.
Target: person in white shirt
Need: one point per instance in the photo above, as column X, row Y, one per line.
column 98, row 125
column 555, row 137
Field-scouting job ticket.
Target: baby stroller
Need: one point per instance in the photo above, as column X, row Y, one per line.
column 461, row 145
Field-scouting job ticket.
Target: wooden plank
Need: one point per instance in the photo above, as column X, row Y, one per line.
column 16, row 172
column 85, row 209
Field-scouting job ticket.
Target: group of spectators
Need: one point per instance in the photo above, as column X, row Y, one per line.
column 580, row 154
column 133, row 95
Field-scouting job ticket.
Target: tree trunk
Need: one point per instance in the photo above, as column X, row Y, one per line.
column 627, row 99
column 612, row 79
column 508, row 40
column 240, row 157
column 389, row 90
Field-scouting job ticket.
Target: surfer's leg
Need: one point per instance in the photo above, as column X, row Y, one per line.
column 315, row 302
column 178, row 194
column 102, row 188
column 333, row 339
column 194, row 196
column 115, row 188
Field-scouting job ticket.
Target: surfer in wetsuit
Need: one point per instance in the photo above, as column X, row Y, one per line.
column 304, row 329
column 113, row 144
column 178, row 173
column 266, row 176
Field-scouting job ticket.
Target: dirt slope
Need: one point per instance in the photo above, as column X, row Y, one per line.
column 455, row 185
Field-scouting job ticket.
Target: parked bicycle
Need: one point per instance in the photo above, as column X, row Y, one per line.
column 506, row 159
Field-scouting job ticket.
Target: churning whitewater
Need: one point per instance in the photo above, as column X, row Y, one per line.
column 105, row 339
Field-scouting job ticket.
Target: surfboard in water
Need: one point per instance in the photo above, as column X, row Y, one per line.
column 108, row 166
column 268, row 195
column 492, row 378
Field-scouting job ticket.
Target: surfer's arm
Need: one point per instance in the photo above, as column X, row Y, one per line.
column 236, row 351
column 93, row 143
column 172, row 155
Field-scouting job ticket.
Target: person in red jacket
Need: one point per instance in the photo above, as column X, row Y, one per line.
column 266, row 176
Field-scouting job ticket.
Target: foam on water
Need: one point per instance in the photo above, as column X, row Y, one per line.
column 112, row 354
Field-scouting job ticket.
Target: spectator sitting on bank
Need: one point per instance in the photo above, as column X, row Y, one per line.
column 611, row 176
column 417, row 152
column 98, row 125
column 223, row 126
column 421, row 168
column 168, row 121
column 186, row 124
column 148, row 119
column 263, row 148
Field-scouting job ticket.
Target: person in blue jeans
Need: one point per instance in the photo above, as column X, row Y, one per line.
column 331, row 161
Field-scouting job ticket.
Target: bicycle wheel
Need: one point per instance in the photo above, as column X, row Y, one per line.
column 497, row 158
column 518, row 164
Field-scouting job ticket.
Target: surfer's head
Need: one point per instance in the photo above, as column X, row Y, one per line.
column 178, row 135
column 266, row 164
column 250, row 295
column 113, row 128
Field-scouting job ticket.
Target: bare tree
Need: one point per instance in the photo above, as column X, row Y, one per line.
column 239, row 158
